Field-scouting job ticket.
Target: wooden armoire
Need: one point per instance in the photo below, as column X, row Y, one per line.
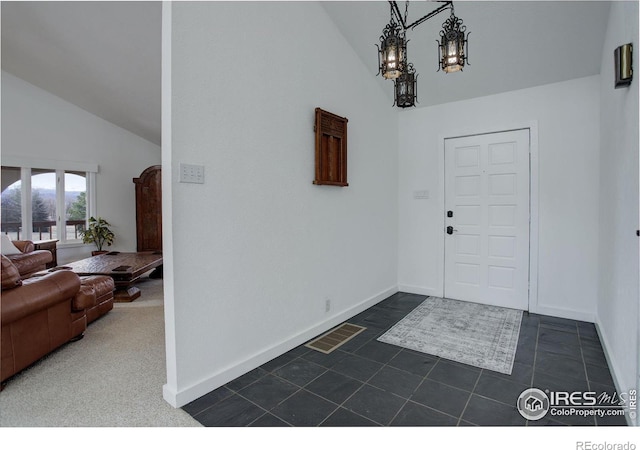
column 149, row 209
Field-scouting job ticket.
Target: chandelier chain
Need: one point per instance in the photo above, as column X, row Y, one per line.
column 406, row 10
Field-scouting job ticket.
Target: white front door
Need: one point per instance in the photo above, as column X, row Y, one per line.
column 487, row 219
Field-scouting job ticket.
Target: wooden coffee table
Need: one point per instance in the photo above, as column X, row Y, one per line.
column 124, row 268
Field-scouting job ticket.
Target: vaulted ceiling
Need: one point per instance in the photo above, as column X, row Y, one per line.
column 105, row 56
column 101, row 56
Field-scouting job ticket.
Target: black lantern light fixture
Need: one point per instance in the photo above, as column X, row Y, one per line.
column 405, row 87
column 392, row 50
column 392, row 53
column 452, row 48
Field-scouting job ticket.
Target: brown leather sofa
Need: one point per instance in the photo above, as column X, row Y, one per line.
column 100, row 289
column 41, row 313
column 30, row 260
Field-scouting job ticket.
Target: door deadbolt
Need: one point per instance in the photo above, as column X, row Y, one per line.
column 449, row 213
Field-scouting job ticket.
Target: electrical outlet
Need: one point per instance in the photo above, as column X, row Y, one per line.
column 421, row 195
column 190, row 173
column 327, row 305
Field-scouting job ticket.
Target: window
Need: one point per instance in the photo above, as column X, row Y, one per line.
column 75, row 201
column 11, row 202
column 43, row 204
column 55, row 202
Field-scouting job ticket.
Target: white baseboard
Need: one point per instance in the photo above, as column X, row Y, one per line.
column 563, row 313
column 181, row 397
column 420, row 290
column 538, row 309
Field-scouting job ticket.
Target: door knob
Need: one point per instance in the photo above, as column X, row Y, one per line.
column 450, row 230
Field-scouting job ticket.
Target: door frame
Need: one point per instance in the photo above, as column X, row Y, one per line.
column 532, row 126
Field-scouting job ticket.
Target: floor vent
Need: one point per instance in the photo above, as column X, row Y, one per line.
column 333, row 339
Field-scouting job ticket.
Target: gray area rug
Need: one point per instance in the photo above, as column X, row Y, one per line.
column 113, row 377
column 470, row 333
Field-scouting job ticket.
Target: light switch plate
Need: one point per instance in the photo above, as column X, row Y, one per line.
column 191, row 173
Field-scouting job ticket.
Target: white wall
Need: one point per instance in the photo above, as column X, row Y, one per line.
column 566, row 116
column 618, row 276
column 258, row 248
column 37, row 125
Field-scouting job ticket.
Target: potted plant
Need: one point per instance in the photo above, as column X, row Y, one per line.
column 98, row 233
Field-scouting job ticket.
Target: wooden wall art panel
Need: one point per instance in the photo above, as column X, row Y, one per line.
column 331, row 149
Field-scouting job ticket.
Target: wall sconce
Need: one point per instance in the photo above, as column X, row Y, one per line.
column 623, row 57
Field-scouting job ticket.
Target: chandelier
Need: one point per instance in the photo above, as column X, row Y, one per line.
column 405, row 88
column 453, row 44
column 392, row 51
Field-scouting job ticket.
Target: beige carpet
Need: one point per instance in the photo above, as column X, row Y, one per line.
column 113, row 377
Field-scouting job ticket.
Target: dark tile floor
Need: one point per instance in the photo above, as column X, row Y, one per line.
column 369, row 383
